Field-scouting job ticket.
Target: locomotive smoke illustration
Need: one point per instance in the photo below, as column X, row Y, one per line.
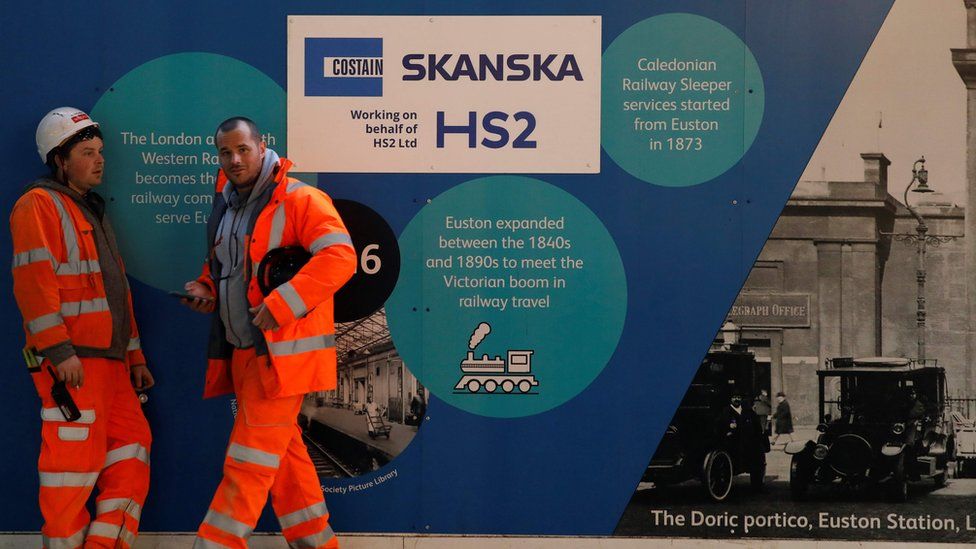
column 479, row 334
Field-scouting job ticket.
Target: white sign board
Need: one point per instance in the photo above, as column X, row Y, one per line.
column 479, row 94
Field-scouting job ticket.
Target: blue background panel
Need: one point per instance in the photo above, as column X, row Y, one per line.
column 569, row 470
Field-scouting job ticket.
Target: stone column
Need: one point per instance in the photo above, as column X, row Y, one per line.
column 830, row 305
column 862, row 296
column 849, row 265
column 964, row 60
column 868, row 263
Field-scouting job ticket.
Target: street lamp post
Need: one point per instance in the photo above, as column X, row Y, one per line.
column 921, row 175
column 921, row 239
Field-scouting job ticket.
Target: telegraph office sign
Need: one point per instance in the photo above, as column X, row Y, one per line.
column 771, row 310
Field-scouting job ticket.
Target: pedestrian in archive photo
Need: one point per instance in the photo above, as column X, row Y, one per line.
column 783, row 418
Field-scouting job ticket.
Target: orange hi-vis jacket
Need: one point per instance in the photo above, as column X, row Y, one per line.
column 58, row 282
column 302, row 349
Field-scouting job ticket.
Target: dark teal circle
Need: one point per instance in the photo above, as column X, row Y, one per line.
column 188, row 94
column 571, row 341
column 680, row 147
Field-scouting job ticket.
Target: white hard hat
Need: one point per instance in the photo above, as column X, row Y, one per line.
column 59, row 125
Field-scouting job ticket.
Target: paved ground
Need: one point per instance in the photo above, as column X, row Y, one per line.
column 931, row 514
column 393, row 541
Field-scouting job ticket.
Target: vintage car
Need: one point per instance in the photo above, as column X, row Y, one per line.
column 964, row 434
column 706, row 439
column 882, row 422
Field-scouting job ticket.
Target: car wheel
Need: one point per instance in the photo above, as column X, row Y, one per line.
column 799, row 477
column 757, row 477
column 717, row 475
column 899, row 482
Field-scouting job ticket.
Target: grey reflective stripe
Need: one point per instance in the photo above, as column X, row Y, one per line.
column 111, row 531
column 252, row 455
column 227, row 524
column 277, row 227
column 127, row 505
column 303, row 515
column 314, row 541
column 303, row 345
column 76, row 308
column 203, row 543
column 75, row 265
column 294, row 301
column 67, row 480
column 44, row 322
column 330, row 239
column 81, row 267
column 72, row 434
column 70, row 542
column 293, row 186
column 134, row 344
column 54, row 414
column 104, row 529
column 129, row 451
column 32, row 256
column 70, row 237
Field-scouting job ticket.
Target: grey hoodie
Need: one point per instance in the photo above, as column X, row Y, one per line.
column 229, row 248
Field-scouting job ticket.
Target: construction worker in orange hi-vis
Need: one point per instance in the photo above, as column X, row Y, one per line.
column 269, row 347
column 83, row 349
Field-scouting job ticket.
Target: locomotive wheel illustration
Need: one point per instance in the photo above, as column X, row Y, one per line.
column 508, row 386
column 524, row 386
column 474, row 385
column 491, row 385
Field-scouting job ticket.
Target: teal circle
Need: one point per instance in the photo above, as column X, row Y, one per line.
column 683, row 99
column 571, row 340
column 188, row 94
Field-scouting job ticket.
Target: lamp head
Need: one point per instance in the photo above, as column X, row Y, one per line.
column 920, row 174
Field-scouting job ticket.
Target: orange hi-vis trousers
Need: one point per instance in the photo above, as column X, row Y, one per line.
column 266, row 453
column 107, row 448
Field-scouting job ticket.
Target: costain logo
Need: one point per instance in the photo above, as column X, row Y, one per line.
column 344, row 67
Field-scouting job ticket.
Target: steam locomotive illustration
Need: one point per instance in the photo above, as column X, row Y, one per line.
column 488, row 375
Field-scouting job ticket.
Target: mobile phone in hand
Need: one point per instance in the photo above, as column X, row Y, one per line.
column 181, row 295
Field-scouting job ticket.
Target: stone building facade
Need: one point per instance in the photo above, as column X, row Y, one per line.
column 833, row 280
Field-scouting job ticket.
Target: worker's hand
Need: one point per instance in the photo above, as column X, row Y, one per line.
column 71, row 372
column 204, row 299
column 142, row 379
column 263, row 318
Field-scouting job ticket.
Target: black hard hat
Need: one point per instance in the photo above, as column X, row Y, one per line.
column 279, row 266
